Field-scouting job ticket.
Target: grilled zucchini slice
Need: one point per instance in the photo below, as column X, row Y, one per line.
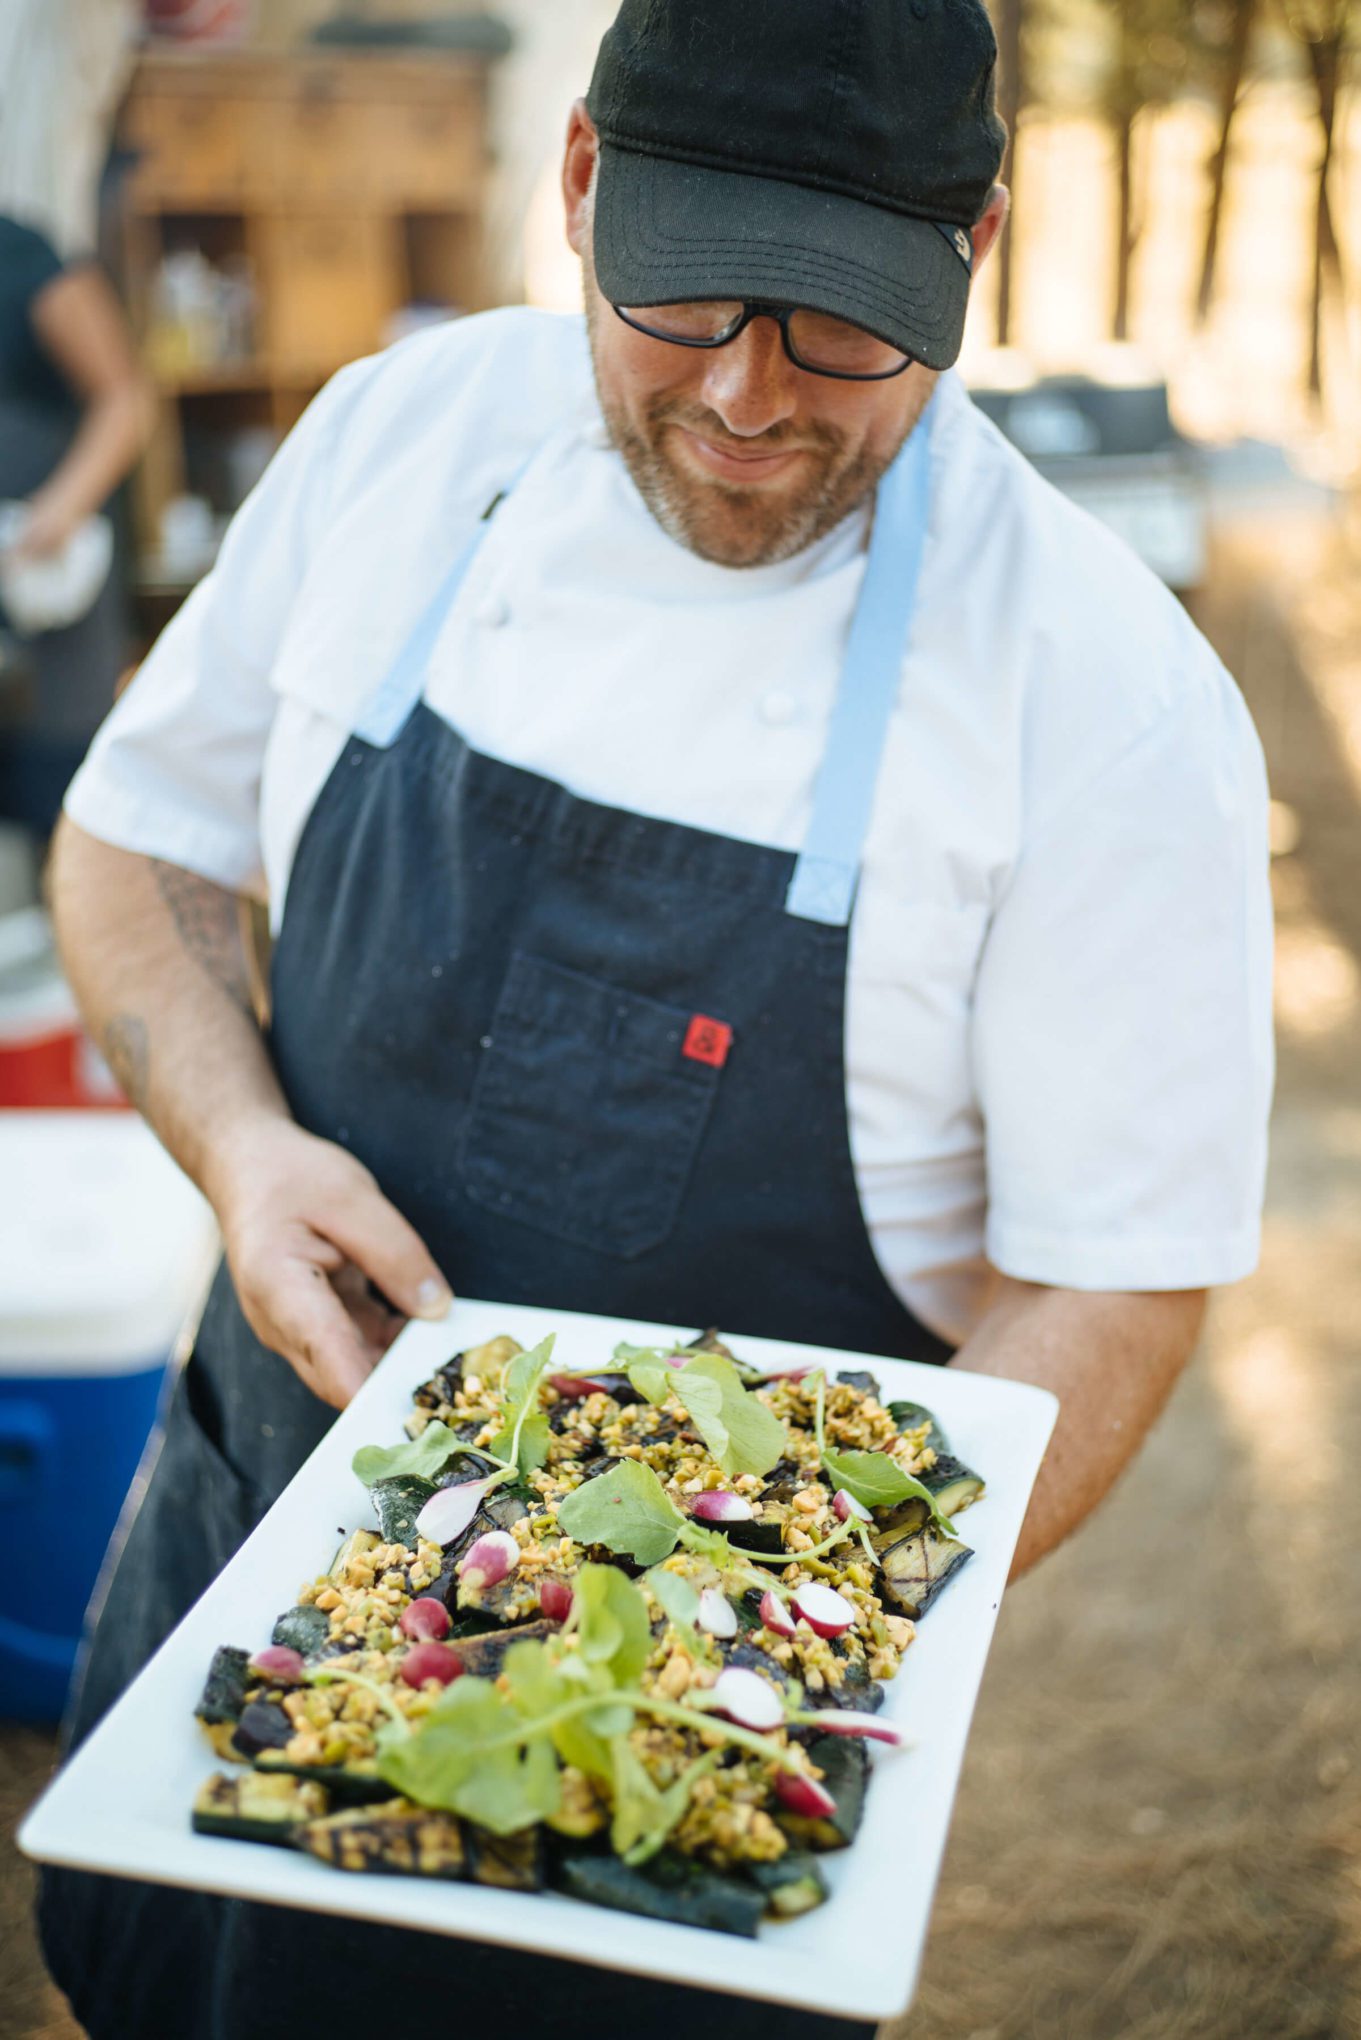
column 916, row 1568
column 256, row 1808
column 399, row 1501
column 307, row 1630
column 507, row 1862
column 345, row 1784
column 792, row 1886
column 953, row 1484
column 910, row 1416
column 845, row 1774
column 398, row 1840
column 224, row 1691
column 670, row 1887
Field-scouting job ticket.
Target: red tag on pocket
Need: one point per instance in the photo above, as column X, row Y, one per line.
column 707, row 1041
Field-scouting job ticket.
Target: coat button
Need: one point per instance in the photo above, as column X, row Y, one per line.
column 778, row 707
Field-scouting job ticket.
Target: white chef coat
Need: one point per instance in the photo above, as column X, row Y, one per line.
column 1058, row 1017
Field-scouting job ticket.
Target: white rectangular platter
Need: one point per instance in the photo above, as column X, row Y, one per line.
column 122, row 1804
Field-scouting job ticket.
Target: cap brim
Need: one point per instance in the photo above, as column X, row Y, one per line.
column 667, row 231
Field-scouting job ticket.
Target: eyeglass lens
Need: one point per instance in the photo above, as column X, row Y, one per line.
column 817, row 339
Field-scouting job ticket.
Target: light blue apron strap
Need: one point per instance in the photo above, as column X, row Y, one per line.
column 825, row 877
column 386, row 712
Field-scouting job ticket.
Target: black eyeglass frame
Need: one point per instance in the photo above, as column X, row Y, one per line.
column 755, row 308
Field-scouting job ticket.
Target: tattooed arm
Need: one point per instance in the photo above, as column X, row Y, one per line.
column 158, row 960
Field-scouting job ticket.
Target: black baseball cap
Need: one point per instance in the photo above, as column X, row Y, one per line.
column 828, row 153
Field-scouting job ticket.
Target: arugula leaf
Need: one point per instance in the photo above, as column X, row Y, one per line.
column 524, row 1437
column 741, row 1433
column 477, row 1756
column 627, row 1510
column 425, row 1456
column 610, row 1618
column 878, row 1482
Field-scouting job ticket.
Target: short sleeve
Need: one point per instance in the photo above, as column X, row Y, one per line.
column 1122, row 1022
column 174, row 772
column 29, row 260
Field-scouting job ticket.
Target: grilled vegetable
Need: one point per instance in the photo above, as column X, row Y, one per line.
column 509, row 1862
column 845, row 1772
column 401, row 1840
column 670, row 1887
column 916, row 1568
column 483, row 1656
column 224, row 1691
column 399, row 1501
column 256, row 1808
column 892, row 1525
column 765, row 1532
column 345, row 1784
column 860, row 1378
column 953, row 1484
column 356, row 1543
column 793, row 1885
column 910, row 1416
column 304, row 1629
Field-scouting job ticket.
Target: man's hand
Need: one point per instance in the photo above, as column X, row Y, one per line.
column 307, row 1230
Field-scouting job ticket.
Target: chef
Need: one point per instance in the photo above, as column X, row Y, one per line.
column 740, row 850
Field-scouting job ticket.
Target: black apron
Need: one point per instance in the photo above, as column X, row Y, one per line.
column 597, row 1060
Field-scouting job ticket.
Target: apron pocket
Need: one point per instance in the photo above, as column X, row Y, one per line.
column 587, row 1112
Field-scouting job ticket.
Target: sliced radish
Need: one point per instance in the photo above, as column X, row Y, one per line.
column 794, row 1372
column 720, row 1505
column 284, row 1667
column 803, row 1795
column 746, row 1698
column 555, row 1600
column 490, row 1560
column 847, row 1721
column 717, row 1616
column 425, row 1621
column 576, row 1387
column 450, row 1510
column 431, row 1661
column 775, row 1615
column 846, row 1506
column 823, row 1609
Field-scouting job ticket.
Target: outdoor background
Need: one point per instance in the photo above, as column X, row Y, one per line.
column 1158, row 1835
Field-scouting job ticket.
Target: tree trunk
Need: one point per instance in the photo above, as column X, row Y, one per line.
column 1231, row 87
column 1011, row 93
column 1124, row 233
column 1325, row 58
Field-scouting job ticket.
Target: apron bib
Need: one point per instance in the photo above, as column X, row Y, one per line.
column 597, row 1060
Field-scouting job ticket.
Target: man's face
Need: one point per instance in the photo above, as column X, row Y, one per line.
column 739, row 455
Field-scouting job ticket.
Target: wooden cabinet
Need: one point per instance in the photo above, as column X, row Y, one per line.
column 333, row 190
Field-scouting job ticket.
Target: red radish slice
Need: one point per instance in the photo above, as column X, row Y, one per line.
column 846, row 1721
column 490, row 1560
column 277, row 1662
column 803, row 1795
column 576, row 1387
column 746, row 1698
column 846, row 1506
column 555, row 1600
column 431, row 1661
column 823, row 1609
column 717, row 1616
column 425, row 1621
column 794, row 1372
column 450, row 1510
column 719, row 1505
column 775, row 1615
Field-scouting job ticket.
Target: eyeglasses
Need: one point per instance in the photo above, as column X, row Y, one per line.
column 814, row 341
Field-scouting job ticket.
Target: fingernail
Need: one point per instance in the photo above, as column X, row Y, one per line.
column 433, row 1299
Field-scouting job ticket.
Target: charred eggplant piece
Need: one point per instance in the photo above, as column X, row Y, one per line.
column 765, row 1533
column 507, row 1862
column 263, row 1726
column 845, row 1773
column 916, row 1569
column 443, row 1385
column 903, row 1520
column 399, row 1501
column 307, row 1630
column 257, row 1808
column 793, row 1885
column 400, row 1841
column 953, row 1484
column 484, row 1656
column 670, row 1887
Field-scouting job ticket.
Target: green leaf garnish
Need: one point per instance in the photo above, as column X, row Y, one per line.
column 627, row 1510
column 426, row 1456
column 476, row 1755
column 737, row 1428
column 875, row 1480
column 675, row 1596
column 645, row 1814
column 609, row 1616
column 524, row 1437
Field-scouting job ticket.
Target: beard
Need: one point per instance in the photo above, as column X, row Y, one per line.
column 725, row 522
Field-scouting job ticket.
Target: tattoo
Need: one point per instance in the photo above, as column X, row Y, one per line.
column 127, row 1053
column 208, row 923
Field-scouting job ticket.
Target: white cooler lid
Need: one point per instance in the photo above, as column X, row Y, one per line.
column 105, row 1244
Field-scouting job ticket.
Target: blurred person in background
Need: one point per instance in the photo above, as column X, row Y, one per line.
column 75, row 413
column 742, row 849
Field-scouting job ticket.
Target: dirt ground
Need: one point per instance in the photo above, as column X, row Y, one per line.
column 1158, row 1835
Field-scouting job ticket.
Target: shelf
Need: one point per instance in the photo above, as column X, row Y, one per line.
column 248, row 376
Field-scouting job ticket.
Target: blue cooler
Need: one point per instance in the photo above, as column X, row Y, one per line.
column 105, row 1251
